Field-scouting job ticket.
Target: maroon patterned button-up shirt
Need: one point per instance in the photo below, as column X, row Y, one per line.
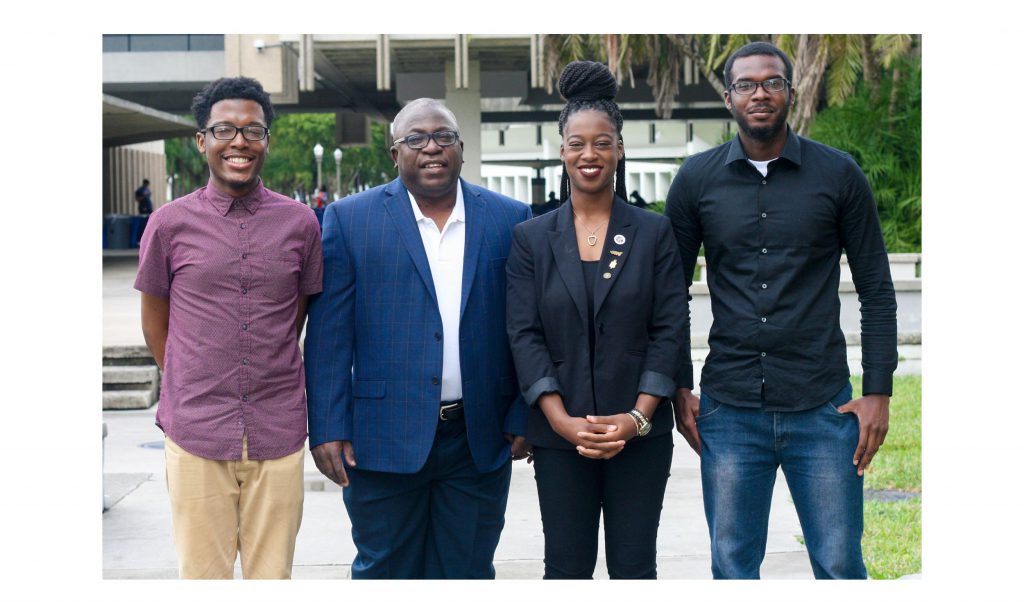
column 233, row 270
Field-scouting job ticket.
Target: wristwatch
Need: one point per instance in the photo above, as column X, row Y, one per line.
column 643, row 425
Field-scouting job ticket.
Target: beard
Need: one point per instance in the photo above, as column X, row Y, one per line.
column 763, row 133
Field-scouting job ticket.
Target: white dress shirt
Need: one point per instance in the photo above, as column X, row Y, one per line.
column 446, row 249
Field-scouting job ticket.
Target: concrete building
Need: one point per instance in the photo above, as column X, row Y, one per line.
column 495, row 84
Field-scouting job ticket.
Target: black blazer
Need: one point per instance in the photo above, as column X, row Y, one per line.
column 640, row 312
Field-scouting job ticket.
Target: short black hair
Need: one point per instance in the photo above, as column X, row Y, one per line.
column 229, row 88
column 757, row 48
column 145, row 182
column 590, row 85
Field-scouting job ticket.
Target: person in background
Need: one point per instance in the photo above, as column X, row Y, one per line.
column 550, row 205
column 143, row 197
column 637, row 200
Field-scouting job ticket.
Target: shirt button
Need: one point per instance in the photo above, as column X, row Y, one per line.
column 763, row 354
column 764, row 319
column 245, row 291
column 242, row 225
column 245, row 256
column 435, row 381
column 764, row 215
column 245, row 361
column 764, row 251
column 245, row 327
column 764, row 182
column 763, row 286
column 245, row 398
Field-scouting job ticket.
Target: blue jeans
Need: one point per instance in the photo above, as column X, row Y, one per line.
column 741, row 451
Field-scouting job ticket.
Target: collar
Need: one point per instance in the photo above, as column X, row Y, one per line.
column 790, row 151
column 458, row 213
column 222, row 202
column 622, row 213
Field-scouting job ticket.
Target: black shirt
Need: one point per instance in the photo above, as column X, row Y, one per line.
column 772, row 246
column 590, row 270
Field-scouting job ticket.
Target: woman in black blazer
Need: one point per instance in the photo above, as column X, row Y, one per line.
column 596, row 308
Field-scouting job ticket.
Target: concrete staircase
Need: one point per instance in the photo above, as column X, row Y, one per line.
column 131, row 379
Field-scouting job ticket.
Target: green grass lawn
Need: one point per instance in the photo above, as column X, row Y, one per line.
column 892, row 529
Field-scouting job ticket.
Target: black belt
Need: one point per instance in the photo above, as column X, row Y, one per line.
column 451, row 410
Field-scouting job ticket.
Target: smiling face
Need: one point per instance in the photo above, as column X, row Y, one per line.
column 761, row 115
column 591, row 150
column 234, row 165
column 432, row 172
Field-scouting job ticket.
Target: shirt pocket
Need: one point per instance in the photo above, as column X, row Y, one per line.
column 280, row 276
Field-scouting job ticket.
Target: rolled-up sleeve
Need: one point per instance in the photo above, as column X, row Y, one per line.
column 534, row 368
column 669, row 318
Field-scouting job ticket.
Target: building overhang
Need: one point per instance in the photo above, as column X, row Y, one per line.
column 126, row 122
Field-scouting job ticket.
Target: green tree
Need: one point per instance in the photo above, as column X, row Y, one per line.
column 826, row 67
column 290, row 164
column 880, row 126
column 185, row 164
column 365, row 167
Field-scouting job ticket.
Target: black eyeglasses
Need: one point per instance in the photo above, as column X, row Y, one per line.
column 227, row 132
column 746, row 88
column 445, row 138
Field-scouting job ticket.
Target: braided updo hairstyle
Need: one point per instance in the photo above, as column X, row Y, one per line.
column 587, row 85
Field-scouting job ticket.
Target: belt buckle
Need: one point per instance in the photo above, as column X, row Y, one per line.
column 444, row 407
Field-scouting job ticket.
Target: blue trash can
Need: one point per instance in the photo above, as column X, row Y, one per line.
column 118, row 231
column 138, row 225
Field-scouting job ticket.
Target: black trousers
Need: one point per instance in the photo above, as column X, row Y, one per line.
column 629, row 488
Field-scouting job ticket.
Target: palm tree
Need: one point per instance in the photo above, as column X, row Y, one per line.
column 826, row 67
column 664, row 55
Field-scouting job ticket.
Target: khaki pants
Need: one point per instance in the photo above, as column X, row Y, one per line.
column 222, row 508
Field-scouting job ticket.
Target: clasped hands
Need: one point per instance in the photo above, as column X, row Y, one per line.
column 597, row 437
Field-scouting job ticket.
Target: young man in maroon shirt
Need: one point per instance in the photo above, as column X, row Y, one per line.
column 224, row 274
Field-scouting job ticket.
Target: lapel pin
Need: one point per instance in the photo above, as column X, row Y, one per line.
column 614, row 252
column 613, row 264
column 607, row 275
column 619, row 239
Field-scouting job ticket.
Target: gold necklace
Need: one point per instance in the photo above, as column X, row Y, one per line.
column 592, row 237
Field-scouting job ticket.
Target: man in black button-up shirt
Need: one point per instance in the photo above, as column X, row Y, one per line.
column 775, row 211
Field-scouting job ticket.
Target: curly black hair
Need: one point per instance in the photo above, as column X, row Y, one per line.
column 230, row 88
column 757, row 48
column 587, row 85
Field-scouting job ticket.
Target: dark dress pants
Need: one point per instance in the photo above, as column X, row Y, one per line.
column 443, row 521
column 629, row 488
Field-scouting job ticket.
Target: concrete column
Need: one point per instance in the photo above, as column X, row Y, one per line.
column 661, row 185
column 647, row 191
column 465, row 104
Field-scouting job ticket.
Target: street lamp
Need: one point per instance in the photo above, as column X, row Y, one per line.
column 337, row 173
column 318, row 153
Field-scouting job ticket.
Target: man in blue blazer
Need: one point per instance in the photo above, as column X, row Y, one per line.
column 413, row 401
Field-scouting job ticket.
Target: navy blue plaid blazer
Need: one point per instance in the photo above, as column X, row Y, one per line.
column 372, row 353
